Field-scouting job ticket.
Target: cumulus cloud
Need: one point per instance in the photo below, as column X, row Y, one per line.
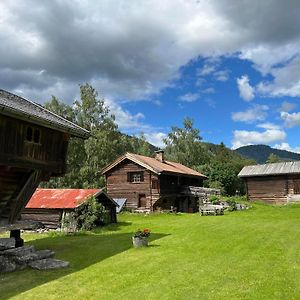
column 268, row 126
column 245, row 89
column 287, row 106
column 290, row 120
column 244, row 137
column 256, row 113
column 287, row 147
column 286, row 80
column 189, row 97
column 156, row 138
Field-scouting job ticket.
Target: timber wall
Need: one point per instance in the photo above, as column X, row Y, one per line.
column 118, row 186
column 272, row 189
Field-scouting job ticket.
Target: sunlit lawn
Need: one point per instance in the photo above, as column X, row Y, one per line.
column 253, row 254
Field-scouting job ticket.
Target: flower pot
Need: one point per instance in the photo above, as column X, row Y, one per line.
column 139, row 242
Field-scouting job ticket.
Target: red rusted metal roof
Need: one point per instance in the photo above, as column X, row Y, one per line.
column 60, row 198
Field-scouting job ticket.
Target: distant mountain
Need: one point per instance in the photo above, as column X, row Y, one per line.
column 260, row 153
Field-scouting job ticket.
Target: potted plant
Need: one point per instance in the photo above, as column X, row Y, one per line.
column 140, row 238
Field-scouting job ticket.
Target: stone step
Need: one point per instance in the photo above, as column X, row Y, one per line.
column 20, row 251
column 38, row 255
column 48, row 264
column 6, row 265
column 7, row 243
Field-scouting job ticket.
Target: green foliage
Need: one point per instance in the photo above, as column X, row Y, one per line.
column 184, row 145
column 214, row 199
column 273, row 158
column 90, row 214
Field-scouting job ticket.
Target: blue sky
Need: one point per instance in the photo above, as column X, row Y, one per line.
column 231, row 66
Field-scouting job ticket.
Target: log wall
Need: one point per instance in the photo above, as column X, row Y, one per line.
column 118, row 186
column 44, row 148
column 49, row 217
column 272, row 189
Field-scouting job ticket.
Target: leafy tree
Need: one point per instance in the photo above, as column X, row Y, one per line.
column 184, row 145
column 273, row 158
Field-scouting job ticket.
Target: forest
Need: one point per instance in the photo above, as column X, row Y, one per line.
column 86, row 158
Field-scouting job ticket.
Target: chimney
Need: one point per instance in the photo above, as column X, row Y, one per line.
column 160, row 155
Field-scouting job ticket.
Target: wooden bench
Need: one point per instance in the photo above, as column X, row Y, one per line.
column 214, row 210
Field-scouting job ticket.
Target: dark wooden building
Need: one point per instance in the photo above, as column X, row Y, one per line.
column 152, row 183
column 33, row 147
column 52, row 206
column 276, row 183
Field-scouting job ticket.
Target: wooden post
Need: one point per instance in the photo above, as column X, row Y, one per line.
column 16, row 233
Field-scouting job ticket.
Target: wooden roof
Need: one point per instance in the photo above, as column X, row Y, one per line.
column 155, row 165
column 62, row 198
column 21, row 108
column 282, row 168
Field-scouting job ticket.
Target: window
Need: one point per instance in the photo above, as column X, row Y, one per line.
column 33, row 135
column 135, row 177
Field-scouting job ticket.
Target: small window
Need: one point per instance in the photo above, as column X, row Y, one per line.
column 33, row 135
column 36, row 136
column 29, row 133
column 135, row 177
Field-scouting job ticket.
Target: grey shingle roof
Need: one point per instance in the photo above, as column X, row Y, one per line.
column 18, row 107
column 292, row 167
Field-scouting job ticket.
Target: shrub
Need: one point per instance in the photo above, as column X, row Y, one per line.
column 214, row 199
column 90, row 214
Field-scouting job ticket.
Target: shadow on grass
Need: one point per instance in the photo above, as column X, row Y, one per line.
column 81, row 251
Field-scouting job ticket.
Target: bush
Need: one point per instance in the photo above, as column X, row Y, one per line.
column 87, row 216
column 214, row 199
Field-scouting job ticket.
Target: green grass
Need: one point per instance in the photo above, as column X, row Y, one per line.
column 253, row 254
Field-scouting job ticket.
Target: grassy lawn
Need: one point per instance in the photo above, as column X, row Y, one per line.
column 253, row 254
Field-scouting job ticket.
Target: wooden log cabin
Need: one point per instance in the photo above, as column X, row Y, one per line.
column 51, row 206
column 33, row 148
column 275, row 183
column 152, row 183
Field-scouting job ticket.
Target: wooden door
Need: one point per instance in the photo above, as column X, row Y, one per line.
column 142, row 200
column 296, row 186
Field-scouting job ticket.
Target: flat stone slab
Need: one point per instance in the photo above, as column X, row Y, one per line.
column 48, row 264
column 6, row 265
column 7, row 243
column 20, row 251
column 38, row 255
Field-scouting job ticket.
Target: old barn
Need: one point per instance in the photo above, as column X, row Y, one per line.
column 33, row 148
column 149, row 183
column 275, row 183
column 51, row 206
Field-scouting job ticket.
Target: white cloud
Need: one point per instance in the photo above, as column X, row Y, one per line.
column 287, row 106
column 256, row 113
column 290, row 120
column 189, row 97
column 245, row 89
column 268, row 126
column 156, row 138
column 207, row 69
column 286, row 80
column 209, row 90
column 287, row 147
column 222, row 75
column 244, row 137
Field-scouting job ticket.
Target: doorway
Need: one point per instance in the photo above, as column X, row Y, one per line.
column 142, row 200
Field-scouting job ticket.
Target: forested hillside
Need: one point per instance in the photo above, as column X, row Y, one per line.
column 261, row 153
column 183, row 144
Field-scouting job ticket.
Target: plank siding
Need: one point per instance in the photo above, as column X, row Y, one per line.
column 118, row 186
column 272, row 189
column 49, row 217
